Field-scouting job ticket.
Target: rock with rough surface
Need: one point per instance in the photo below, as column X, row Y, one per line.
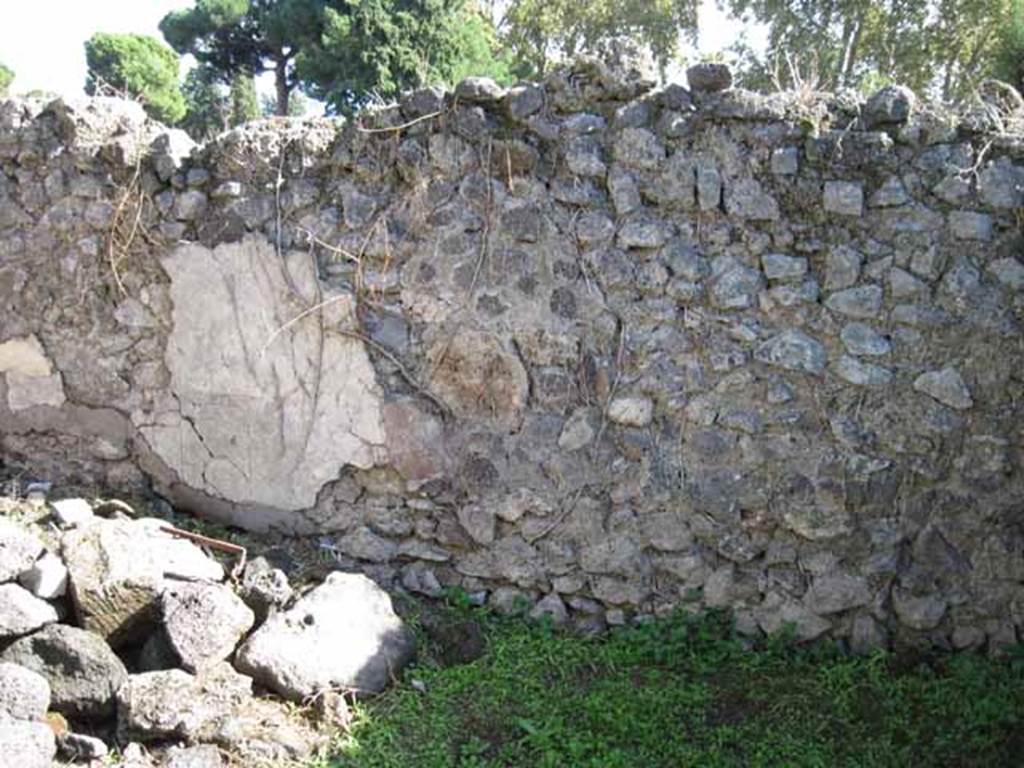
column 348, row 614
column 778, row 613
column 21, row 612
column 25, row 744
column 863, row 302
column 861, row 374
column 521, row 101
column 479, row 90
column 551, row 608
column 18, row 549
column 176, row 705
column 264, row 589
column 736, row 288
column 1009, row 272
column 867, row 635
column 71, row 512
column 862, row 339
column 946, row 386
column 970, row 225
column 578, row 431
column 47, row 579
column 478, row 520
column 793, row 350
column 889, row 106
column 475, row 375
column 117, row 568
column 203, row 622
column 837, row 592
column 747, row 199
column 264, row 732
column 24, row 694
column 631, row 411
column 779, row 266
column 169, row 150
column 83, row 673
column 79, row 747
column 200, row 756
column 844, row 197
column 919, row 612
column 709, row 77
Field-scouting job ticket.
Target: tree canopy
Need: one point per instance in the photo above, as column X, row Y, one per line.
column 341, row 51
column 6, row 78
column 138, row 66
column 214, row 107
column 939, row 47
column 247, row 37
column 1009, row 64
column 376, row 48
column 538, row 32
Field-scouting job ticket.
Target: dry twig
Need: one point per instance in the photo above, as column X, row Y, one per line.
column 403, row 126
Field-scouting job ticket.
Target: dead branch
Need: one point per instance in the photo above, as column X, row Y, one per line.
column 402, row 370
column 403, row 126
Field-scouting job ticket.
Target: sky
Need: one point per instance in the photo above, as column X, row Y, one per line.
column 42, row 40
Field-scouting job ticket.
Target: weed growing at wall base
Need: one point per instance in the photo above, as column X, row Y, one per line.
column 686, row 692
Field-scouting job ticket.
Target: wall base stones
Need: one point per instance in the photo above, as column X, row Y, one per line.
column 579, row 341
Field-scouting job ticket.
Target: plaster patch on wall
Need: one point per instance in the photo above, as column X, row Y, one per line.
column 29, row 375
column 262, row 408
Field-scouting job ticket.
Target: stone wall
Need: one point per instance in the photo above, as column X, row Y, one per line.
column 610, row 348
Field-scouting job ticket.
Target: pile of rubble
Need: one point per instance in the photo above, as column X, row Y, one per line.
column 123, row 632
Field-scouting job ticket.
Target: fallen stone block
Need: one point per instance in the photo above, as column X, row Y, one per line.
column 343, row 634
column 24, row 694
column 203, row 622
column 117, row 569
column 83, row 673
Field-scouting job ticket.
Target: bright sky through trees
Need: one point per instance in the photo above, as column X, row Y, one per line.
column 42, row 40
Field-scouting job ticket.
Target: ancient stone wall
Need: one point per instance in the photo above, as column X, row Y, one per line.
column 610, row 348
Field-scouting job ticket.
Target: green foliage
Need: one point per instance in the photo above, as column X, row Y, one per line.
column 685, row 692
column 214, row 107
column 245, row 105
column 376, row 48
column 207, row 102
column 1009, row 64
column 298, row 105
column 6, row 78
column 344, row 52
column 939, row 47
column 235, row 37
column 540, row 31
column 139, row 66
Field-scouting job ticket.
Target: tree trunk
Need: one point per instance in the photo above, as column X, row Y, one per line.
column 851, row 41
column 282, row 87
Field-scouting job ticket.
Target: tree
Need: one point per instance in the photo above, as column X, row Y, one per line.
column 214, row 107
column 341, row 51
column 540, row 31
column 376, row 48
column 248, row 37
column 298, row 105
column 939, row 47
column 207, row 101
column 1009, row 64
column 245, row 105
column 6, row 78
column 139, row 67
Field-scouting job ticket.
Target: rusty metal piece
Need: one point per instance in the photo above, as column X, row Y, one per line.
column 218, row 544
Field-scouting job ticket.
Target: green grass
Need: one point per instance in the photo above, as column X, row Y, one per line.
column 685, row 692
